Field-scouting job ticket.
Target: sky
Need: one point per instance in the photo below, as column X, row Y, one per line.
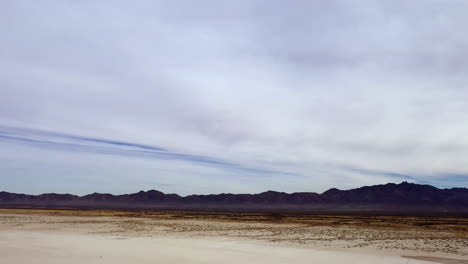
column 232, row 96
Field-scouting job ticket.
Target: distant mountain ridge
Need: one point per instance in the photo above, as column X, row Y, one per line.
column 404, row 197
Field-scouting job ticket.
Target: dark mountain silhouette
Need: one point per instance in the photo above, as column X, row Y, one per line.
column 404, row 197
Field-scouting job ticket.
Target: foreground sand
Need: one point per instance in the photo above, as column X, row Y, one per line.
column 88, row 237
column 43, row 247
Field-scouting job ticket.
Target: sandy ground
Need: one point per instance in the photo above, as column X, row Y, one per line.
column 46, row 238
column 43, row 247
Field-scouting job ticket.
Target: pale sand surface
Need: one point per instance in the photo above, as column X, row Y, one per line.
column 42, row 247
column 438, row 260
column 54, row 238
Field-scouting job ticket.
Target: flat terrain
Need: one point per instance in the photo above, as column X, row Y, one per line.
column 106, row 236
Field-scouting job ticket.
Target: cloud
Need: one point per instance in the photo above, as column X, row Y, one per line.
column 334, row 94
column 73, row 143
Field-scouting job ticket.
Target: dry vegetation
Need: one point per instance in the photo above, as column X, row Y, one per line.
column 431, row 235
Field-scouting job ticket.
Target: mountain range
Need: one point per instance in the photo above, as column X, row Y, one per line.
column 388, row 198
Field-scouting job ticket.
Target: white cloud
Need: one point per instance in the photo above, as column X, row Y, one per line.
column 311, row 88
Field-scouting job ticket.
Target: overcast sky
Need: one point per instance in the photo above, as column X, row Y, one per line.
column 232, row 96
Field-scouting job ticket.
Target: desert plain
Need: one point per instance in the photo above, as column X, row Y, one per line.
column 112, row 236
